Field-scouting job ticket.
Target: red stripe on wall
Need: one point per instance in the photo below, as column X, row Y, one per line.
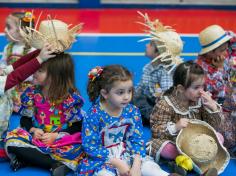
column 123, row 20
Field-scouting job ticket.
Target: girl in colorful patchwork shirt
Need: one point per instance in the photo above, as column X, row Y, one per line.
column 12, row 75
column 16, row 48
column 112, row 130
column 50, row 138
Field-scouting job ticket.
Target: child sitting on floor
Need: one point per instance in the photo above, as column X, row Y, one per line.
column 184, row 101
column 164, row 50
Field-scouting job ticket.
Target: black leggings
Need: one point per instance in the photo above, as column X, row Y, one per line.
column 32, row 157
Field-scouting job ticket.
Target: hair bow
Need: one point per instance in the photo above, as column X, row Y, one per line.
column 95, row 72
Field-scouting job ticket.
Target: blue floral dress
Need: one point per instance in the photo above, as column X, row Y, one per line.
column 51, row 118
column 106, row 137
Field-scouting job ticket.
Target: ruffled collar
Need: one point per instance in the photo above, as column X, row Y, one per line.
column 176, row 104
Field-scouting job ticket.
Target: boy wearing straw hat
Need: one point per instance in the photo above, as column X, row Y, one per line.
column 216, row 57
column 164, row 50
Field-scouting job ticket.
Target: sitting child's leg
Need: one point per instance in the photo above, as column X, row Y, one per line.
column 220, row 137
column 150, row 168
column 105, row 172
column 169, row 151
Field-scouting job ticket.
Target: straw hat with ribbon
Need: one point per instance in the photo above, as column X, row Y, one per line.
column 199, row 142
column 52, row 31
column 168, row 42
column 212, row 37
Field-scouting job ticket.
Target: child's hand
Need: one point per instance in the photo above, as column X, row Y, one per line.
column 49, row 138
column 37, row 132
column 122, row 167
column 46, row 53
column 208, row 101
column 218, row 62
column 182, row 123
column 136, row 167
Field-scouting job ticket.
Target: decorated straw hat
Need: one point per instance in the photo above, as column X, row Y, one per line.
column 212, row 37
column 52, row 31
column 199, row 141
column 167, row 41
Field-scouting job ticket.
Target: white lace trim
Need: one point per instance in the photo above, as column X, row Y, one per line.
column 188, row 112
column 171, row 127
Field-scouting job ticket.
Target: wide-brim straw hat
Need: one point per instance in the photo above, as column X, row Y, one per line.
column 212, row 37
column 200, row 142
column 52, row 31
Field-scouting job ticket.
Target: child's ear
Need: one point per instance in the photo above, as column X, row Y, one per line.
column 103, row 92
column 180, row 88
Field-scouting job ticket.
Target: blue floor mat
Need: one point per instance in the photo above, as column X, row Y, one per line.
column 29, row 171
column 83, row 63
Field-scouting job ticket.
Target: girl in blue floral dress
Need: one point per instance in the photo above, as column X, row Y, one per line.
column 112, row 133
column 51, row 137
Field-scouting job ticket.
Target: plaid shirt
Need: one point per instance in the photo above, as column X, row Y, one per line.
column 154, row 81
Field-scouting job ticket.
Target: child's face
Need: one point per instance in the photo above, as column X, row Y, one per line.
column 40, row 77
column 12, row 29
column 218, row 55
column 193, row 93
column 151, row 51
column 120, row 94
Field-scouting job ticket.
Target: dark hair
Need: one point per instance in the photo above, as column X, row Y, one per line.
column 60, row 72
column 185, row 74
column 106, row 79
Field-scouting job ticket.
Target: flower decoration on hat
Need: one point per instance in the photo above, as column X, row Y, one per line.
column 95, row 73
column 28, row 17
column 52, row 31
column 167, row 41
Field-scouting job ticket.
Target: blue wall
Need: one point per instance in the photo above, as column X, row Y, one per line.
column 93, row 50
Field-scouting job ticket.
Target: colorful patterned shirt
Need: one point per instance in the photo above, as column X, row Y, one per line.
column 106, row 137
column 217, row 79
column 49, row 116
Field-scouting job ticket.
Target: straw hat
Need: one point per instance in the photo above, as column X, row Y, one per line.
column 212, row 37
column 168, row 42
column 199, row 141
column 54, row 32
